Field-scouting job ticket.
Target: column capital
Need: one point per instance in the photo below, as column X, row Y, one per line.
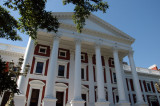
column 98, row 42
column 57, row 36
column 130, row 52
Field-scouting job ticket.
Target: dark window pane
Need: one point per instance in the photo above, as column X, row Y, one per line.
column 82, row 73
column 61, row 70
column 63, row 54
column 39, row 67
column 114, row 76
column 34, row 97
column 42, row 50
column 149, row 87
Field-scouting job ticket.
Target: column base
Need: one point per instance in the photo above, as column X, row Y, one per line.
column 111, row 104
column 49, row 101
column 123, row 103
column 20, row 100
column 77, row 102
column 102, row 103
column 68, row 103
column 141, row 104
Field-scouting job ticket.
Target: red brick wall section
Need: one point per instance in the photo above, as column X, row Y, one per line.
column 127, row 84
column 36, row 51
column 131, row 83
column 152, row 86
column 67, row 54
column 86, row 58
column 87, row 73
column 110, row 62
column 144, row 83
column 68, row 70
column 32, row 67
column 46, row 68
column 66, row 95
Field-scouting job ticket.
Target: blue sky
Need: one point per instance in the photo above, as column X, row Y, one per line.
column 138, row 18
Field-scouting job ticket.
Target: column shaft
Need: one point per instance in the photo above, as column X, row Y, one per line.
column 77, row 80
column 135, row 79
column 109, row 85
column 49, row 93
column 100, row 76
column 22, row 85
column 91, row 82
column 120, row 84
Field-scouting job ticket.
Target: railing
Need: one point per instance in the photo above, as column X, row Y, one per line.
column 142, row 70
column 12, row 48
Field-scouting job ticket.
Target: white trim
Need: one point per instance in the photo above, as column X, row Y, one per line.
column 62, row 51
column 85, row 91
column 42, row 47
column 61, row 88
column 40, row 59
column 35, row 84
column 64, row 63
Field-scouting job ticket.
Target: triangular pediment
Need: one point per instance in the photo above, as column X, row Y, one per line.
column 94, row 23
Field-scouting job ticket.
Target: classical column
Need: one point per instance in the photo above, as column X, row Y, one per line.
column 22, row 80
column 109, row 84
column 71, row 77
column 77, row 100
column 91, row 81
column 100, row 79
column 140, row 101
column 49, row 99
column 120, row 83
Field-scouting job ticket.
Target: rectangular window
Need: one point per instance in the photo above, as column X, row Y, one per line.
column 42, row 50
column 62, row 53
column 61, row 70
column 114, row 77
column 34, row 97
column 149, row 87
column 39, row 67
column 82, row 73
column 83, row 57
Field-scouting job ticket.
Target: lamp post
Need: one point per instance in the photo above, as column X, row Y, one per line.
column 16, row 72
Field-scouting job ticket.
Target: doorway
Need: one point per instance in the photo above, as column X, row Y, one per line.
column 60, row 98
column 84, row 97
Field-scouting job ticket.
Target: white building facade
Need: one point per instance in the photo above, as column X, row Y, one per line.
column 72, row 69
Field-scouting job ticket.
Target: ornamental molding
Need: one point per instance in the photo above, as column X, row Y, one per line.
column 97, row 20
column 95, row 33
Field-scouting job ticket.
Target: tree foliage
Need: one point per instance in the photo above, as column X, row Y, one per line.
column 6, row 81
column 8, row 25
column 83, row 8
column 34, row 16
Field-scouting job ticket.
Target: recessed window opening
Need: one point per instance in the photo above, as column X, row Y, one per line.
column 114, row 77
column 83, row 57
column 39, row 67
column 61, row 70
column 42, row 50
column 62, row 53
column 82, row 73
column 34, row 97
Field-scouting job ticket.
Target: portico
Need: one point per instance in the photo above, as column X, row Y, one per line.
column 98, row 46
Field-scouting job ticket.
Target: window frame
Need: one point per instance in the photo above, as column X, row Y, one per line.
column 150, row 86
column 62, row 51
column 113, row 71
column 35, row 84
column 84, row 57
column 42, row 47
column 40, row 59
column 64, row 63
column 85, row 72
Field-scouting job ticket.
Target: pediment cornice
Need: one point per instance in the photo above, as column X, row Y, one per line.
column 97, row 34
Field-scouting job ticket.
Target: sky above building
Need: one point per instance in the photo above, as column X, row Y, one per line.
column 138, row 18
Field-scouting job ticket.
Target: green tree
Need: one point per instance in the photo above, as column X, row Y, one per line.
column 6, row 81
column 34, row 16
